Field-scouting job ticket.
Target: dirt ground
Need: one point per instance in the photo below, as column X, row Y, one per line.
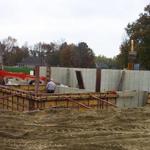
column 127, row 129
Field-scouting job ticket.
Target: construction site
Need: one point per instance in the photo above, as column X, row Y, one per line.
column 74, row 75
column 90, row 109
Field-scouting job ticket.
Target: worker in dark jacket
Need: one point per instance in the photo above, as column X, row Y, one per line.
column 2, row 82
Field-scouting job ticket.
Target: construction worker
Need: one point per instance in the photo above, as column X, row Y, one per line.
column 51, row 86
column 2, row 82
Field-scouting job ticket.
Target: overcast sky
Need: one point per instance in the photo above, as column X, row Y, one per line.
column 99, row 23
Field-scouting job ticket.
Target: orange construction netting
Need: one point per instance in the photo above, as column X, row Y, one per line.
column 23, row 76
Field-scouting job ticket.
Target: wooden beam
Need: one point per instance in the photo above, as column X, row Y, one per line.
column 98, row 80
column 103, row 100
column 80, row 79
column 120, row 85
column 36, row 79
column 6, row 96
column 80, row 104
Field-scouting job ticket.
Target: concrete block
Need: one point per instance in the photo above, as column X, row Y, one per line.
column 131, row 99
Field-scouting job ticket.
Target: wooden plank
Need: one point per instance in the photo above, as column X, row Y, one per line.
column 36, row 79
column 103, row 100
column 48, row 74
column 120, row 85
column 80, row 79
column 98, row 80
column 6, row 96
column 80, row 104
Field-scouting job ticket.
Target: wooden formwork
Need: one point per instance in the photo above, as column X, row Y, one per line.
column 148, row 101
column 28, row 87
column 26, row 100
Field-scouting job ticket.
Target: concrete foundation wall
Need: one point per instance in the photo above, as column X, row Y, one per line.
column 133, row 80
column 137, row 80
column 110, row 79
column 60, row 89
column 67, row 76
column 131, row 99
column 89, row 78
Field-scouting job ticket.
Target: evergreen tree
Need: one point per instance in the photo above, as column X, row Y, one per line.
column 139, row 31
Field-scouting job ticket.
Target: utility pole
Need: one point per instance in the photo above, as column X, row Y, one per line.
column 131, row 56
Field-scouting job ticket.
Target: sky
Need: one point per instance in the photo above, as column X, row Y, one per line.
column 99, row 23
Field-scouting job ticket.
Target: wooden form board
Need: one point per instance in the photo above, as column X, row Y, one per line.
column 19, row 100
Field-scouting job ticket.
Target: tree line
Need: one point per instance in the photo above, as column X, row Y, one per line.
column 139, row 31
column 53, row 54
column 80, row 55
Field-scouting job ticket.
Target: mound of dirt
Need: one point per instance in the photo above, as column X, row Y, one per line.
column 127, row 129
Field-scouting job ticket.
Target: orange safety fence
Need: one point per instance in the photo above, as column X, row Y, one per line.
column 23, row 76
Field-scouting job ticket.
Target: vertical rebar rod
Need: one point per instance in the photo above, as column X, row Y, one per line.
column 36, row 79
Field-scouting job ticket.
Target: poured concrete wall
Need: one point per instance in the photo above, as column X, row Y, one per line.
column 67, row 76
column 131, row 99
column 60, row 89
column 137, row 80
column 133, row 80
column 110, row 79
column 89, row 78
